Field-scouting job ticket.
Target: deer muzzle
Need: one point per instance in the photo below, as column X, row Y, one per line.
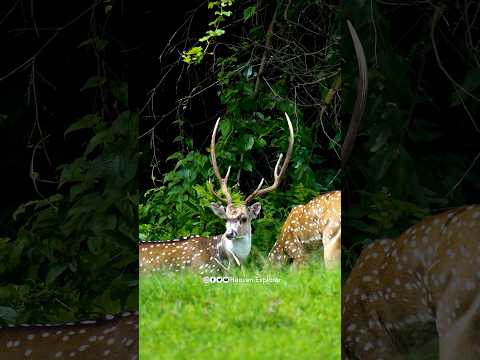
column 231, row 234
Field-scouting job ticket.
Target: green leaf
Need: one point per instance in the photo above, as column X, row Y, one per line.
column 217, row 32
column 86, row 42
column 177, row 155
column 249, row 143
column 99, row 44
column 120, row 92
column 54, row 272
column 262, row 143
column 247, row 165
column 94, row 243
column 97, row 140
column 122, row 124
column 225, row 127
column 93, row 82
column 223, row 13
column 249, row 12
column 381, row 140
column 86, row 122
column 472, row 79
column 193, row 55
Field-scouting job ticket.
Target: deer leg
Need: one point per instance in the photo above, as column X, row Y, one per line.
column 332, row 251
column 370, row 345
column 461, row 338
column 331, row 245
column 296, row 252
column 277, row 255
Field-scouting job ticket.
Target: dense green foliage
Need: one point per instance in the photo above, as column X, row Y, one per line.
column 73, row 248
column 296, row 318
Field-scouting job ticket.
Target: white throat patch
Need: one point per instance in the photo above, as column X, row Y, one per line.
column 240, row 246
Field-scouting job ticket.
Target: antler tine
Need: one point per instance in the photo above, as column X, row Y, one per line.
column 277, row 175
column 255, row 191
column 276, row 165
column 362, row 88
column 222, row 181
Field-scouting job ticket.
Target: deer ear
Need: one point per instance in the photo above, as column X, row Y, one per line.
column 218, row 210
column 254, row 210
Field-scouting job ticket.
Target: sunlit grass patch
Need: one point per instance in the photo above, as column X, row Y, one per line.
column 257, row 314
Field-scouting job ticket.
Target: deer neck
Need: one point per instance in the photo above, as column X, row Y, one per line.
column 240, row 245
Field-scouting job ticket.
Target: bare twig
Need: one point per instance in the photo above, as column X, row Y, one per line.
column 57, row 32
column 463, row 176
column 436, row 17
column 268, row 43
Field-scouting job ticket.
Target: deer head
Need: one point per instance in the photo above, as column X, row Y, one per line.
column 238, row 217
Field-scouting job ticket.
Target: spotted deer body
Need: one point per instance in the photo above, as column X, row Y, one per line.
column 113, row 337
column 421, row 287
column 204, row 254
column 215, row 253
column 197, row 253
column 309, row 227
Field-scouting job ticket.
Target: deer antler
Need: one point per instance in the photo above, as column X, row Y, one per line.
column 277, row 174
column 362, row 88
column 222, row 181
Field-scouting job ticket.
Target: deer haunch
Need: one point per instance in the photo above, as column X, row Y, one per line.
column 422, row 286
column 307, row 228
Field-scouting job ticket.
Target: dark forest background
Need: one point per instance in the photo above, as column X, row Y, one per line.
column 101, row 115
column 417, row 152
column 68, row 228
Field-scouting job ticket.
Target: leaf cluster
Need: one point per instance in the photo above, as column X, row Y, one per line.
column 73, row 248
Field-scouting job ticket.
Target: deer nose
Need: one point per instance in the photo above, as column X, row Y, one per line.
column 231, row 234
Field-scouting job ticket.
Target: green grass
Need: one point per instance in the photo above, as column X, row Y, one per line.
column 297, row 318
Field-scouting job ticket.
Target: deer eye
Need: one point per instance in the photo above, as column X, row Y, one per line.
column 243, row 219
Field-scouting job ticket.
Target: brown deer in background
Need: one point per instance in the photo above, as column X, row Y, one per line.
column 113, row 337
column 318, row 222
column 422, row 286
column 215, row 253
column 307, row 228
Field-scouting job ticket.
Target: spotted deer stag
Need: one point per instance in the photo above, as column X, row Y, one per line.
column 215, row 253
column 112, row 337
column 307, row 228
column 420, row 288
